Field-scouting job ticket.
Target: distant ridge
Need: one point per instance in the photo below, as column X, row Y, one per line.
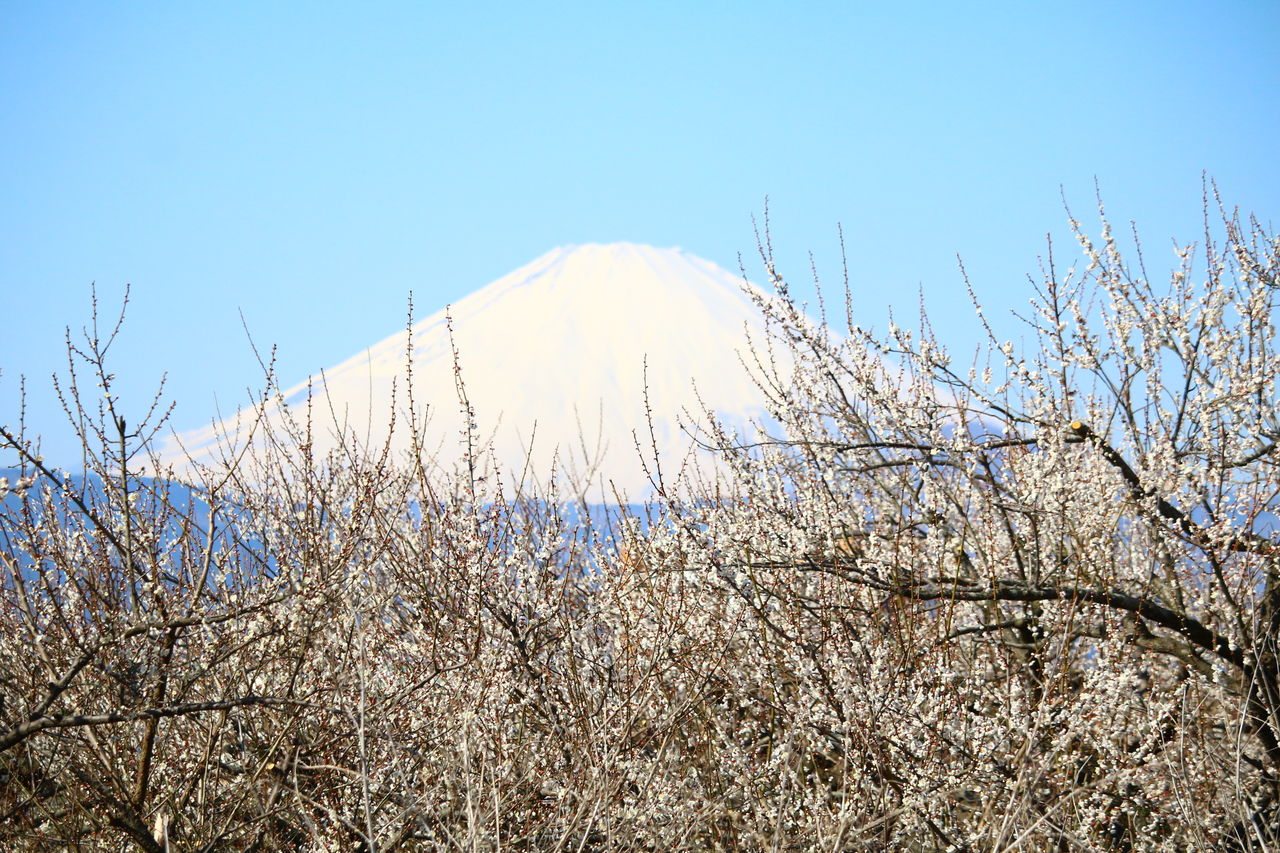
column 565, row 343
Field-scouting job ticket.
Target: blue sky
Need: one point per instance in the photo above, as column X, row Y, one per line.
column 308, row 165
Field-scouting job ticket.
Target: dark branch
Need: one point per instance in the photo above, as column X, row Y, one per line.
column 1005, row 590
column 25, row 730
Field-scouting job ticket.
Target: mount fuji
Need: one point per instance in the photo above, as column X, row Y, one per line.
column 565, row 361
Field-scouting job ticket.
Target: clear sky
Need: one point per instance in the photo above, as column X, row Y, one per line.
column 307, row 165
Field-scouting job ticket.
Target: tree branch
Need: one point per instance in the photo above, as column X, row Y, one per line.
column 65, row 721
column 1006, row 590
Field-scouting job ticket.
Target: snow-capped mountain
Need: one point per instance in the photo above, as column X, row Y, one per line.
column 556, row 358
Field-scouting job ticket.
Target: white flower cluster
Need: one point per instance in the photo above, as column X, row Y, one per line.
column 18, row 484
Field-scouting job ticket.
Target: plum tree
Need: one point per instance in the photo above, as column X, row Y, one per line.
column 1031, row 602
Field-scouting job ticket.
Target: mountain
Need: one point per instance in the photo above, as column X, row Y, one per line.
column 556, row 358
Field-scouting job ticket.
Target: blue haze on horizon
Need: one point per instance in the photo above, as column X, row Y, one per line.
column 308, row 165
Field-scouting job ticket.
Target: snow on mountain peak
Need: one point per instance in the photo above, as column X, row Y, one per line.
column 556, row 357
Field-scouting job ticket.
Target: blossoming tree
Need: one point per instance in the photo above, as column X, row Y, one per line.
column 1058, row 561
column 1030, row 602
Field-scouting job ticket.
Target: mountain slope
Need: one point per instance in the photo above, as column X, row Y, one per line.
column 556, row 358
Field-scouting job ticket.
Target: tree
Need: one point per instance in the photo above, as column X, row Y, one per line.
column 1026, row 604
column 1074, row 539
